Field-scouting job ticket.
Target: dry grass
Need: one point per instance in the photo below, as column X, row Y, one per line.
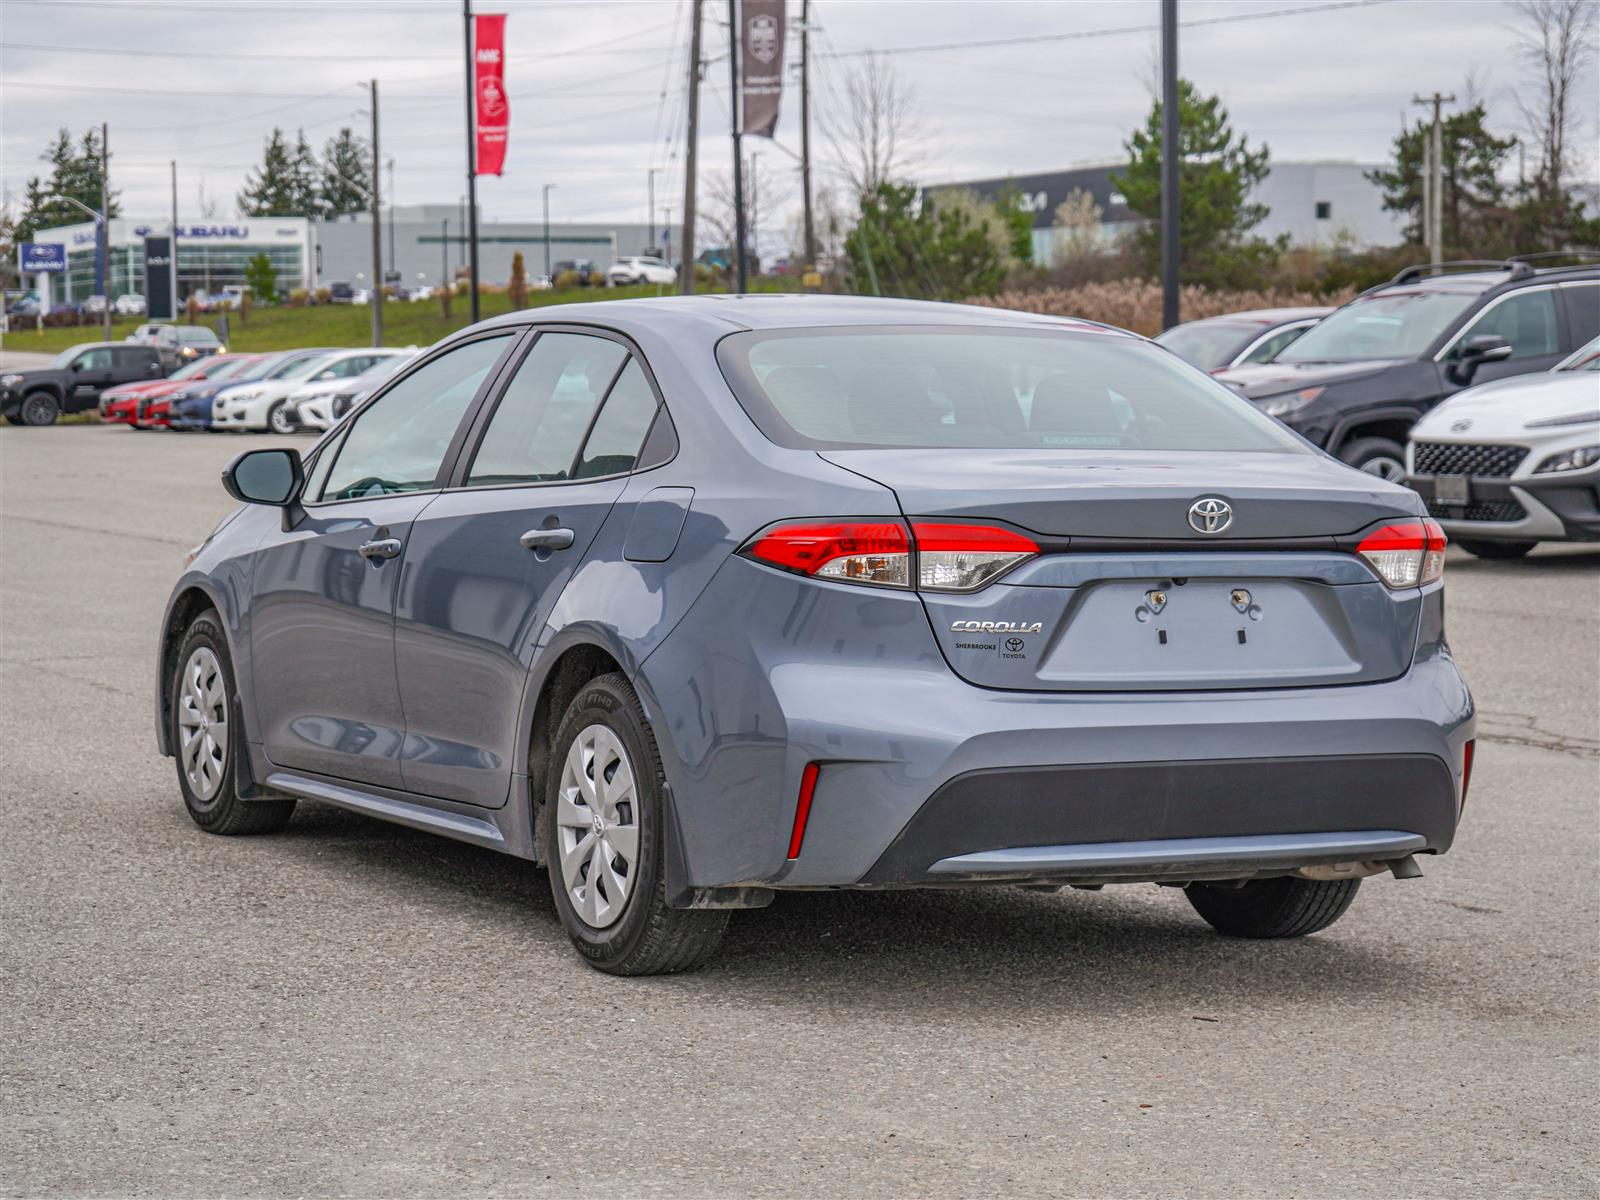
column 1135, row 304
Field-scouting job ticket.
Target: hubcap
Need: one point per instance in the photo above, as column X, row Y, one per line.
column 1385, row 468
column 203, row 723
column 597, row 826
column 279, row 420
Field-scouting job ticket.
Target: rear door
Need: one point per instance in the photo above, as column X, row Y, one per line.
column 322, row 610
column 488, row 560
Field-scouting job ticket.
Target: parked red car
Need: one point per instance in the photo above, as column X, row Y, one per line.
column 144, row 405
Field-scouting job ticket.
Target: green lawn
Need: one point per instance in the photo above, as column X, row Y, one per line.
column 404, row 323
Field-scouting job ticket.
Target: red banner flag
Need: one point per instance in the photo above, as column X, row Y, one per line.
column 493, row 109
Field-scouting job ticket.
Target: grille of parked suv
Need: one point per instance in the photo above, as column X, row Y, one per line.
column 1448, row 458
column 1481, row 510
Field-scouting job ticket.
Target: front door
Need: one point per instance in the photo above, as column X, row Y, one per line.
column 91, row 375
column 322, row 615
column 487, row 562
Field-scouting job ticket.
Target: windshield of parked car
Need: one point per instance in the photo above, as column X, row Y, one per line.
column 943, row 386
column 196, row 333
column 1584, row 358
column 384, row 367
column 61, row 360
column 297, row 368
column 1390, row 324
column 1208, row 344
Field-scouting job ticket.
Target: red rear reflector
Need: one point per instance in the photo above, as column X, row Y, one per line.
column 851, row 552
column 802, row 808
column 1466, row 770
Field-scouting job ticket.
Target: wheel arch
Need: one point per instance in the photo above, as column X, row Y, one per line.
column 1391, row 423
column 187, row 603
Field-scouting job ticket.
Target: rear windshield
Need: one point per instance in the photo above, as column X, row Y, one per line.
column 1208, row 344
column 984, row 388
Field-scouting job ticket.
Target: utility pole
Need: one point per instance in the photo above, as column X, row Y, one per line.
column 1171, row 156
column 738, row 166
column 472, row 169
column 1433, row 185
column 444, row 252
column 650, row 186
column 377, row 229
column 547, row 188
column 174, row 271
column 686, row 272
column 105, row 226
column 755, row 208
column 394, row 263
column 666, row 231
column 805, row 138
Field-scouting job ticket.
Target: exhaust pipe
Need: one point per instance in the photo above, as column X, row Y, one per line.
column 1401, row 868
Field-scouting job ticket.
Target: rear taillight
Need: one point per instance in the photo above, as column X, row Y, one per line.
column 963, row 558
column 950, row 557
column 850, row 552
column 1406, row 554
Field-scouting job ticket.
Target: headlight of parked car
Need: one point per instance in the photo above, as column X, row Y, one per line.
column 1285, row 403
column 10, row 380
column 1570, row 460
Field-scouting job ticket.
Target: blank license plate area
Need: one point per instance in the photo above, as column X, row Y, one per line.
column 1453, row 489
column 1204, row 633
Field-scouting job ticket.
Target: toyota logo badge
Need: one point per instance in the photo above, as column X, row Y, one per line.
column 1210, row 515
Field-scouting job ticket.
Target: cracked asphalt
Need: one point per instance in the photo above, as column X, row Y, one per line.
column 350, row 1008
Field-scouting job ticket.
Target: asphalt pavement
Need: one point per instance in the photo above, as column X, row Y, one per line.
column 351, row 1008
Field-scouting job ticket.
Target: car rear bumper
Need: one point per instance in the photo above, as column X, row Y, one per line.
column 919, row 770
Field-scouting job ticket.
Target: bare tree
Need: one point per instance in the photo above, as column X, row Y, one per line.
column 873, row 139
column 767, row 188
column 1556, row 40
column 205, row 203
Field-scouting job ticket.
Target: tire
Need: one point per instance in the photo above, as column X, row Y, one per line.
column 1273, row 908
column 203, row 692
column 39, row 409
column 1376, row 456
column 603, row 734
column 1495, row 549
column 278, row 418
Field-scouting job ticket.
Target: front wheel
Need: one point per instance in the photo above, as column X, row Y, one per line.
column 40, row 409
column 1376, row 456
column 1273, row 908
column 604, row 839
column 1495, row 549
column 279, row 419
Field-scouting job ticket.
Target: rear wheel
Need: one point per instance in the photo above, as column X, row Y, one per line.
column 40, row 409
column 1376, row 456
column 604, row 839
column 1495, row 549
column 205, row 737
column 1273, row 908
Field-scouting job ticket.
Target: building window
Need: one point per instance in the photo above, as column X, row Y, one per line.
column 1324, row 210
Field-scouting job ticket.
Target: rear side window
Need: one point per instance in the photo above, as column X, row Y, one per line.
column 619, row 430
column 974, row 388
column 546, row 410
column 399, row 442
column 1525, row 319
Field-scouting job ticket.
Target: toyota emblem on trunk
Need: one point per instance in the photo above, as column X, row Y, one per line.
column 1210, row 515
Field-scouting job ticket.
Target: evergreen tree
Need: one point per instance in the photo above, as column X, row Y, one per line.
column 262, row 277
column 345, row 163
column 1217, row 171
column 304, row 180
column 950, row 248
column 1474, row 199
column 75, row 171
column 269, row 190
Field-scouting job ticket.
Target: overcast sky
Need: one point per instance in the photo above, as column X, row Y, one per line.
column 597, row 86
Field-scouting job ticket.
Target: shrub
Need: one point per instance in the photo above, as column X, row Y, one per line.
column 445, row 296
column 518, row 287
column 1135, row 304
column 566, row 279
column 324, row 295
column 299, row 298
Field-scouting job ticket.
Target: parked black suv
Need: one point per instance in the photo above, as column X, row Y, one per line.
column 74, row 380
column 1356, row 382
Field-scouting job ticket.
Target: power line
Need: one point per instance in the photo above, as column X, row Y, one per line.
column 1117, row 31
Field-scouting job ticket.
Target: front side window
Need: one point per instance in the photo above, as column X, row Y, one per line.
column 1383, row 325
column 398, row 443
column 974, row 388
column 1525, row 319
column 96, row 360
column 546, row 410
column 1583, row 310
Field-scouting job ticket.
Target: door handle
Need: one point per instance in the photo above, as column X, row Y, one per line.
column 546, row 539
column 381, row 548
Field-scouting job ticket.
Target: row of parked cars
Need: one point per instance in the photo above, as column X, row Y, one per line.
column 1478, row 384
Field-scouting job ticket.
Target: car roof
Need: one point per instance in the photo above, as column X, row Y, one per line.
column 719, row 314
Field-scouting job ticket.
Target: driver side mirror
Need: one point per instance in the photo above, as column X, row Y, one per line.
column 75, row 365
column 273, row 477
column 1477, row 350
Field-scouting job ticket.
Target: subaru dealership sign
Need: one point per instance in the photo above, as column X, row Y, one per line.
column 42, row 256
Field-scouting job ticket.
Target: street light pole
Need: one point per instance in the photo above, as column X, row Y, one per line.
column 547, row 188
column 105, row 226
column 1171, row 156
column 650, row 186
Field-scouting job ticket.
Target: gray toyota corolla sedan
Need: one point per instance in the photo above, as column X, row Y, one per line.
column 696, row 600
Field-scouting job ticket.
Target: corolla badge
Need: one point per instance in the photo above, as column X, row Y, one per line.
column 1012, row 627
column 1210, row 515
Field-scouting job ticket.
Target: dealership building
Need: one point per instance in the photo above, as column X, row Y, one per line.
column 423, row 246
column 1314, row 203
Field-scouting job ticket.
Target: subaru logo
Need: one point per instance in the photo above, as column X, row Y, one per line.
column 1210, row 515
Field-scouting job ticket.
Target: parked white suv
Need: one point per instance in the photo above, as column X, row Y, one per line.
column 640, row 269
column 1515, row 462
